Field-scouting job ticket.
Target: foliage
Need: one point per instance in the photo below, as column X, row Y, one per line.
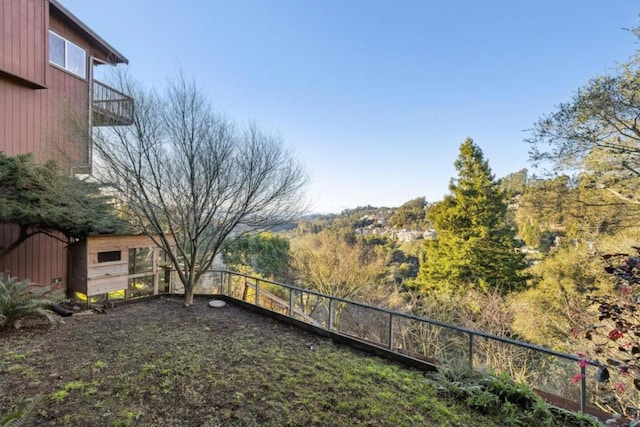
column 40, row 198
column 546, row 313
column 20, row 298
column 411, row 215
column 333, row 266
column 474, row 245
column 22, row 415
column 514, row 184
column 193, row 180
column 516, row 403
column 265, row 253
column 597, row 133
column 613, row 342
column 346, row 223
column 543, row 212
column 475, row 310
column 568, row 208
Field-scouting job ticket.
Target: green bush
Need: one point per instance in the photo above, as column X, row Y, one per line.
column 20, row 298
column 20, row 416
column 498, row 394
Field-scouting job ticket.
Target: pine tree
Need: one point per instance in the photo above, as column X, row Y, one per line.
column 474, row 244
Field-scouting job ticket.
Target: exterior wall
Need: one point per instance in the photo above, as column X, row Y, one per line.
column 38, row 120
column 23, row 39
column 32, row 121
column 37, row 103
column 41, row 259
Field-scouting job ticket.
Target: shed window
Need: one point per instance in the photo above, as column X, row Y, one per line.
column 109, row 256
column 67, row 55
column 140, row 260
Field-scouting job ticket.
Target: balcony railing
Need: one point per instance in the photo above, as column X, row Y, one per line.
column 111, row 107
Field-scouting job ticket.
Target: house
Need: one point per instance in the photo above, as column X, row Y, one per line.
column 49, row 102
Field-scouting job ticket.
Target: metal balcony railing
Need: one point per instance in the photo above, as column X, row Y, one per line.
column 110, row 106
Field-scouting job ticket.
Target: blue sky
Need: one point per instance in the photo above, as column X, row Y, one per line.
column 376, row 97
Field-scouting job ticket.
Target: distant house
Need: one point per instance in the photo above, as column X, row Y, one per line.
column 47, row 62
column 409, row 235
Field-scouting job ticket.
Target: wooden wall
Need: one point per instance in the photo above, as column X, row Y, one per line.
column 41, row 259
column 90, row 277
column 39, row 120
column 24, row 38
column 78, row 267
column 36, row 120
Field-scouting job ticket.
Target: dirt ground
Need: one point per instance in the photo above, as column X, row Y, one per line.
column 157, row 363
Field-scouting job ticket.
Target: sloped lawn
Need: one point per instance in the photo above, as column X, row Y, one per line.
column 156, row 363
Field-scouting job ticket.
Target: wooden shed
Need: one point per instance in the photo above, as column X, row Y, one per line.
column 113, row 267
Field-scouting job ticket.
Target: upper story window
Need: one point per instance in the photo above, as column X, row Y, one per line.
column 67, row 55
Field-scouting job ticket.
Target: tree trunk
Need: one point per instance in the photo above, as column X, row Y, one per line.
column 188, row 296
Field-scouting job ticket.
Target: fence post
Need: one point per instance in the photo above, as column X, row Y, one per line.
column 390, row 331
column 583, row 389
column 331, row 313
column 257, row 292
column 470, row 351
column 291, row 303
column 245, row 286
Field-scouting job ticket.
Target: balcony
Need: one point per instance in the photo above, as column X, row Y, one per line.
column 111, row 107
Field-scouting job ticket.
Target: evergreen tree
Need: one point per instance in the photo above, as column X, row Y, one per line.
column 474, row 244
column 42, row 199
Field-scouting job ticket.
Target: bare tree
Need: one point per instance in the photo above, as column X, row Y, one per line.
column 191, row 179
column 330, row 265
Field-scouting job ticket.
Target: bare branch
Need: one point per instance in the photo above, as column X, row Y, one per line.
column 193, row 180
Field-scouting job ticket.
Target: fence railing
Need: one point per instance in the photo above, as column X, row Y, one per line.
column 110, row 106
column 430, row 340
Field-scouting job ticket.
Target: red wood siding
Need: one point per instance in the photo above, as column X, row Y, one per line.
column 24, row 39
column 36, row 120
column 40, row 259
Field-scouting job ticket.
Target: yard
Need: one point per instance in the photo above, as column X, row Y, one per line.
column 157, row 363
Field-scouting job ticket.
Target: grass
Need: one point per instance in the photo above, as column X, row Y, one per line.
column 157, row 363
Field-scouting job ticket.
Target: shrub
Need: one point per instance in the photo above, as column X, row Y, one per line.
column 20, row 298
column 612, row 342
column 498, row 394
column 22, row 415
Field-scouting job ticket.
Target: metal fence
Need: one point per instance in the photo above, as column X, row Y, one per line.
column 426, row 339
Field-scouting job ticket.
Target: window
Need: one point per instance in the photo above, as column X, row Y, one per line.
column 67, row 55
column 109, row 256
column 140, row 260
